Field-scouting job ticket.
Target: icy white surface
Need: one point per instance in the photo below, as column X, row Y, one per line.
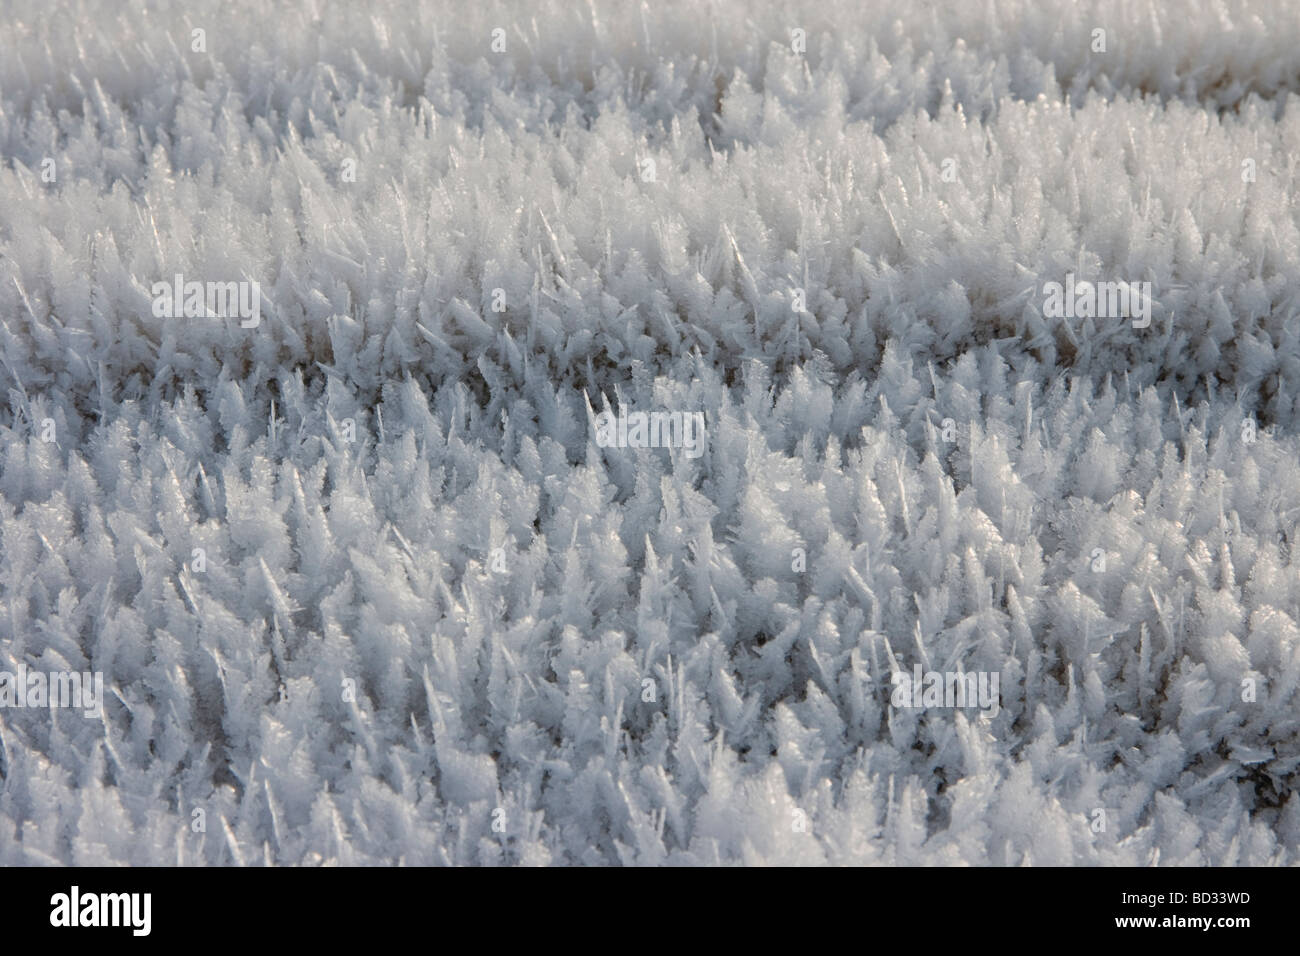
column 496, row 587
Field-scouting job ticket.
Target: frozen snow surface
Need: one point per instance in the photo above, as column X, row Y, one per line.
column 362, row 585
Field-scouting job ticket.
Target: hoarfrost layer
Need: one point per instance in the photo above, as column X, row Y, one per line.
column 430, row 602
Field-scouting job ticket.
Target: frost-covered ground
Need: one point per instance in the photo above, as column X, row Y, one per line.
column 364, row 588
